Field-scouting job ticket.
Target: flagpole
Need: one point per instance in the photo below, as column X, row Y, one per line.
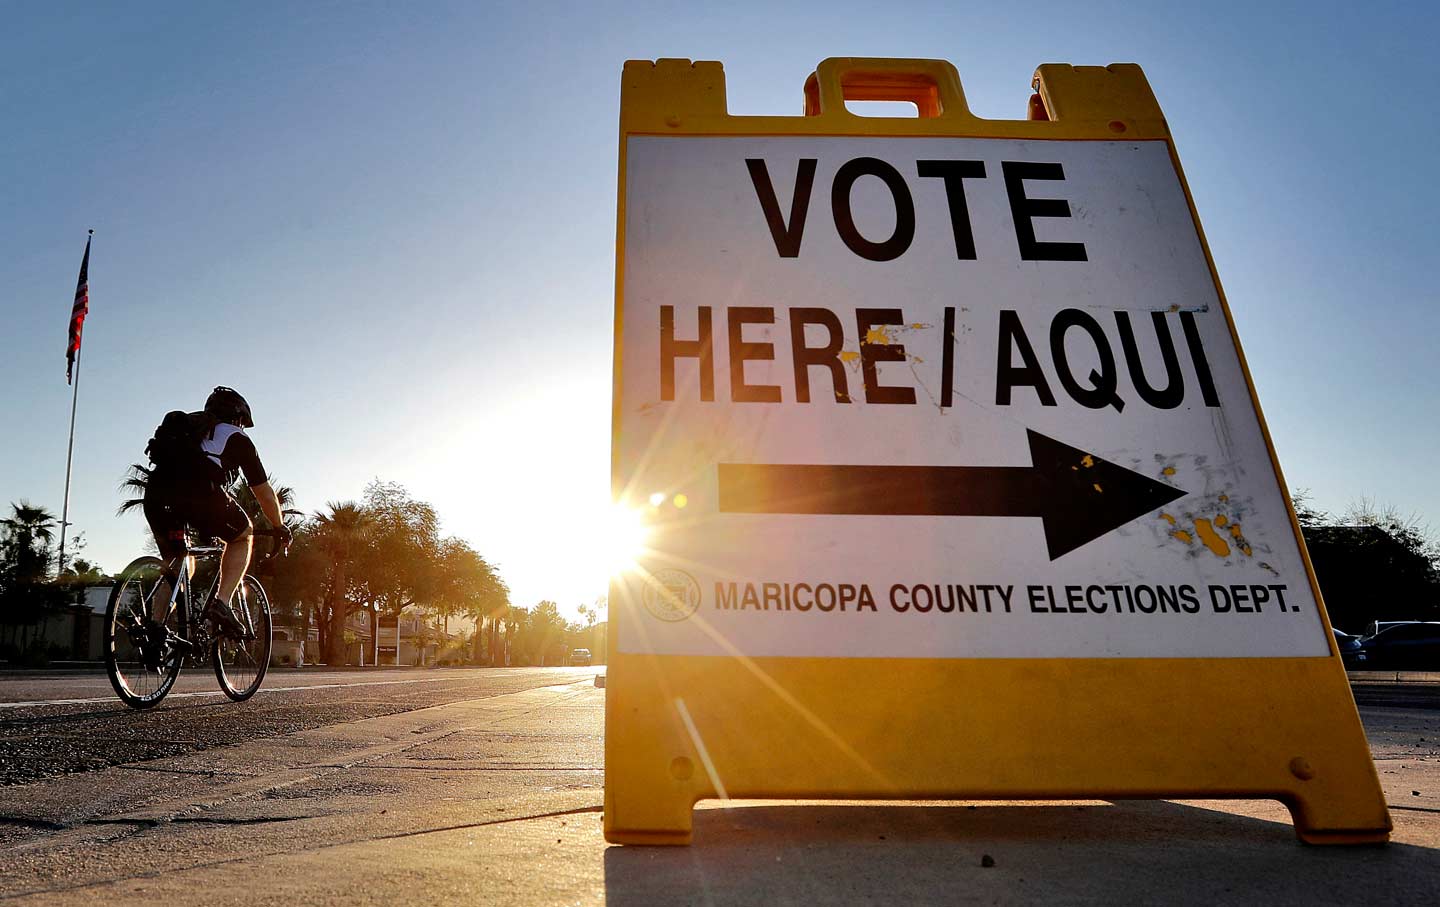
column 74, row 403
column 69, row 458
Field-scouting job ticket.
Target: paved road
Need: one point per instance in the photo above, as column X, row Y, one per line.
column 67, row 721
column 492, row 794
column 1387, row 694
column 55, row 723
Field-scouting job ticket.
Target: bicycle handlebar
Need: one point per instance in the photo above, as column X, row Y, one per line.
column 276, row 551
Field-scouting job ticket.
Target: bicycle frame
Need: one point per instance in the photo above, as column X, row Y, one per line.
column 179, row 571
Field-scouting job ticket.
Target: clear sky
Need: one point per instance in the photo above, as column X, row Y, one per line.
column 391, row 226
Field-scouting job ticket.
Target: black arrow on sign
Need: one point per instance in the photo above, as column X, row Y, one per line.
column 1078, row 495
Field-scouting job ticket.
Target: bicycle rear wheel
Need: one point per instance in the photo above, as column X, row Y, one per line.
column 131, row 601
column 240, row 664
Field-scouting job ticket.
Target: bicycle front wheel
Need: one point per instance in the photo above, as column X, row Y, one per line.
column 140, row 682
column 240, row 664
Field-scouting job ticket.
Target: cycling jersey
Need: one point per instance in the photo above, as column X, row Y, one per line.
column 229, row 448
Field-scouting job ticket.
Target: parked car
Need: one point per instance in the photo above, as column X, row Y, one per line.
column 580, row 657
column 1375, row 626
column 1403, row 647
column 1351, row 652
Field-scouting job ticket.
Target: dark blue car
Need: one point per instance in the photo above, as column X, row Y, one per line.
column 1403, row 647
column 1349, row 647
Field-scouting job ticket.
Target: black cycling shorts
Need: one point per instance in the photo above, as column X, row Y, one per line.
column 210, row 512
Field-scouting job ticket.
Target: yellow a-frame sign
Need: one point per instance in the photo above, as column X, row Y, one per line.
column 957, row 482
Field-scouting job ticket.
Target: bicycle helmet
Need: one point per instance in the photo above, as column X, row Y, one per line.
column 225, row 404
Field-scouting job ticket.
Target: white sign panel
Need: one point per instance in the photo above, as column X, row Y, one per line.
column 939, row 398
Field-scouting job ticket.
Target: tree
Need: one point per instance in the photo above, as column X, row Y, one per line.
column 25, row 594
column 135, row 482
column 28, row 532
column 1374, row 564
column 397, row 566
column 1305, row 512
column 458, row 567
column 1410, row 531
column 284, row 494
column 514, row 623
column 340, row 535
column 541, row 635
column 86, row 570
column 467, row 584
column 76, row 578
column 298, row 583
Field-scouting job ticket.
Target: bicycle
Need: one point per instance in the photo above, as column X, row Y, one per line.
column 240, row 664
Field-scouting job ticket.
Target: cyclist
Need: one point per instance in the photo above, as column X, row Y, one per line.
column 187, row 487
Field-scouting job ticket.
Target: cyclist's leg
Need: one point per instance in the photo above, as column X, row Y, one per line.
column 218, row 515
column 232, row 525
column 234, row 563
column 167, row 524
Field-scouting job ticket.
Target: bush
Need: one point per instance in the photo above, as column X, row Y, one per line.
column 452, row 653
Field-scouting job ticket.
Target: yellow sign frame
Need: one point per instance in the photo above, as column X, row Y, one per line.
column 680, row 729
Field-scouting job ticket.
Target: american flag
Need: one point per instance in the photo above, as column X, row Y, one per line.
column 78, row 312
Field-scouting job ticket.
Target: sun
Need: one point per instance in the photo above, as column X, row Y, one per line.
column 623, row 539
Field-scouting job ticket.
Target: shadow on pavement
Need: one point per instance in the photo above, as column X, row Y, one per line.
column 1126, row 852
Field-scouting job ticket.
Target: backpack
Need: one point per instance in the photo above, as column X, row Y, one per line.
column 175, row 449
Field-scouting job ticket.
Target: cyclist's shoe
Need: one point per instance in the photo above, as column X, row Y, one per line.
column 225, row 621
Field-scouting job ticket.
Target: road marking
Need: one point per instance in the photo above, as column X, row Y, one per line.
column 197, row 693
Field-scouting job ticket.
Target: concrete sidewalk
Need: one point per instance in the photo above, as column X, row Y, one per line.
column 1393, row 676
column 498, row 801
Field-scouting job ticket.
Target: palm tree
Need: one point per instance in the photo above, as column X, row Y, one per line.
column 512, row 618
column 242, row 494
column 137, row 479
column 27, row 525
column 24, row 594
column 84, row 572
column 340, row 531
column 30, row 521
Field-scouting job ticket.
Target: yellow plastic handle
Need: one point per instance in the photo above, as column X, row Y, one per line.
column 932, row 85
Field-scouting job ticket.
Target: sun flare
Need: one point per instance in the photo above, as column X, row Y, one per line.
column 624, row 538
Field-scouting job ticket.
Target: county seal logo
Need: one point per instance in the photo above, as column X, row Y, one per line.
column 670, row 594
